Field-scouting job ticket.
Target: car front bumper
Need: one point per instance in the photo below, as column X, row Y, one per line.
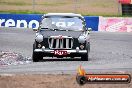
column 68, row 51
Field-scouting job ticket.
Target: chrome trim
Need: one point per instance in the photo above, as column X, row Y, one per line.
column 67, row 42
column 59, row 36
column 51, row 45
column 57, row 42
column 52, row 51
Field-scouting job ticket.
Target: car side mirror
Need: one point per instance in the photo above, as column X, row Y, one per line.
column 89, row 29
column 35, row 29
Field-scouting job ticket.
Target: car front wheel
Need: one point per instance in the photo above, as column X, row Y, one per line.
column 37, row 57
column 85, row 56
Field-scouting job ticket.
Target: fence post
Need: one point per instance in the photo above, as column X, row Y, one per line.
column 75, row 6
column 33, row 6
column 119, row 8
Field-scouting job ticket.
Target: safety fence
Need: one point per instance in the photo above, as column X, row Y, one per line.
column 110, row 24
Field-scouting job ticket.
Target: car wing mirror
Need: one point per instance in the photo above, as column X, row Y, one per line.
column 89, row 29
column 35, row 30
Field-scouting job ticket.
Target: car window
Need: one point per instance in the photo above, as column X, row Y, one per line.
column 66, row 23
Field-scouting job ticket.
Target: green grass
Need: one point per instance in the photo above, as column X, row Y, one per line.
column 22, row 12
column 23, row 4
column 97, row 7
column 52, row 4
column 13, row 3
column 37, row 12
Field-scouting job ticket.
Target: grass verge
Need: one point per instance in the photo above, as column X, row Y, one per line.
column 39, row 12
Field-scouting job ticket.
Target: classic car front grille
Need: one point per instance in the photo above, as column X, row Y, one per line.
column 60, row 43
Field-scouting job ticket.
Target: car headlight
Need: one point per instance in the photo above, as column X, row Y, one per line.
column 39, row 38
column 82, row 39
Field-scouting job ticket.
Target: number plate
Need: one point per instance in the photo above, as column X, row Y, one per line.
column 60, row 52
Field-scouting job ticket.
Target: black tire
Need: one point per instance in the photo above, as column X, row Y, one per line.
column 37, row 57
column 85, row 56
column 89, row 46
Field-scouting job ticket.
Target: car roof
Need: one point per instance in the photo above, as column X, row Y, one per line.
column 64, row 14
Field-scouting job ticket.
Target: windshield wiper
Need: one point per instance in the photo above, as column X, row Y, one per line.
column 54, row 29
column 48, row 28
column 59, row 29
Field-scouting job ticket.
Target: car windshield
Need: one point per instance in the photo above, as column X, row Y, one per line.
column 62, row 23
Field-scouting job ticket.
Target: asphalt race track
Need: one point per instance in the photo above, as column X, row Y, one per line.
column 109, row 52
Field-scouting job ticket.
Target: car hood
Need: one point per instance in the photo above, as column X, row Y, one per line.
column 74, row 34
